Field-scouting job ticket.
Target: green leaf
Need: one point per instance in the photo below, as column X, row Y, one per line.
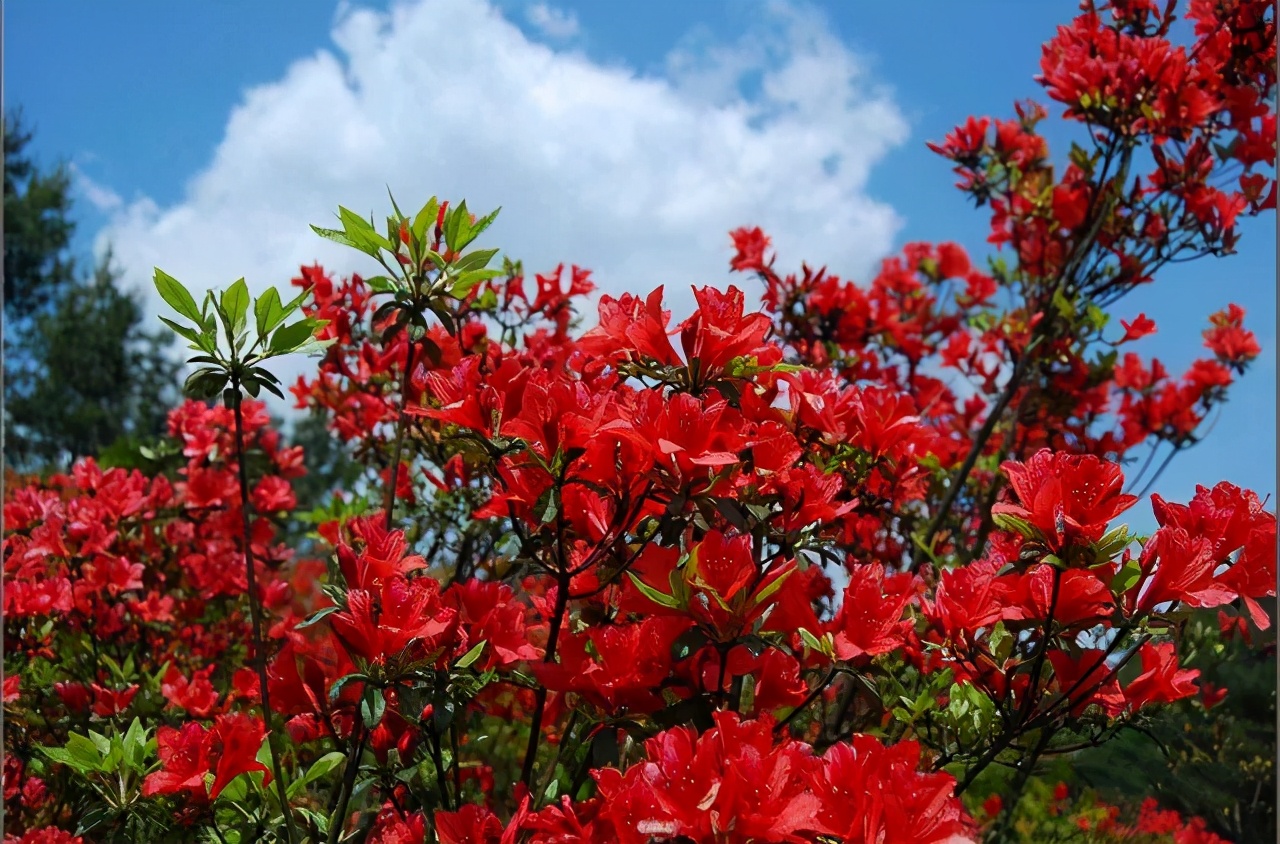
column 372, row 705
column 1014, row 524
column 272, row 388
column 336, row 236
column 236, row 791
column 235, row 302
column 268, row 311
column 342, row 681
column 85, row 753
column 92, row 818
column 425, row 218
column 1065, row 306
column 101, row 743
column 319, row 769
column 177, row 296
column 362, row 234
column 321, row 822
column 64, row 757
column 475, row 261
column 653, row 594
column 470, row 656
column 205, row 384
column 999, row 639
column 316, row 617
column 1113, row 542
column 457, row 223
column 810, row 640
column 394, row 206
column 547, row 506
column 291, row 337
column 1126, row 578
column 767, row 592
column 463, row 284
column 135, row 745
column 189, row 334
column 484, row 222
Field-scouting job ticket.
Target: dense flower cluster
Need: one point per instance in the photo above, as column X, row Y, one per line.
column 143, row 577
column 803, row 574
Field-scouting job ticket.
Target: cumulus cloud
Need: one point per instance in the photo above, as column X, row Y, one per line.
column 638, row 177
column 98, row 195
column 552, row 22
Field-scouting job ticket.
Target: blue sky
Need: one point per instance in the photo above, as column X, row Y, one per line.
column 627, row 137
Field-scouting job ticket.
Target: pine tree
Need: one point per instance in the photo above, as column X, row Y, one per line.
column 79, row 371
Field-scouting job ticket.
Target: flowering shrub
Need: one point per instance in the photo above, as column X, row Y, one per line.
column 804, row 574
column 1061, row 816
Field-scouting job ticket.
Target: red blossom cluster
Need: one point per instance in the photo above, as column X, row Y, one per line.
column 802, row 574
column 708, row 787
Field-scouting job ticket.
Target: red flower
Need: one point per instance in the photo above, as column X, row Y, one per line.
column 1178, row 567
column 490, row 613
column 1240, row 535
column 471, row 824
column 1087, row 680
column 872, row 794
column 45, row 835
column 968, row 598
column 632, row 329
column 184, row 760
column 1161, row 681
column 1136, row 330
column 1228, row 338
column 236, row 739
column 953, row 261
column 392, row 827
column 108, row 702
column 403, row 618
column 197, row 695
column 730, row 590
column 1211, row 695
column 870, row 620
column 625, row 668
column 750, row 245
column 374, row 554
column 273, row 494
column 732, row 784
column 74, row 696
column 1067, row 498
column 718, row 331
column 1082, row 599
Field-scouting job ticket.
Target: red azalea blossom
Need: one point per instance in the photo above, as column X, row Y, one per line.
column 1066, row 498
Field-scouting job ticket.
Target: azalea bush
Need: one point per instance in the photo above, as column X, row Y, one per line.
column 847, row 565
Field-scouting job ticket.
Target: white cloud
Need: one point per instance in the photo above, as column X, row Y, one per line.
column 99, row 196
column 638, row 178
column 552, row 22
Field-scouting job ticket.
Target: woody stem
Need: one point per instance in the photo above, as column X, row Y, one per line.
column 339, row 821
column 540, row 696
column 975, row 450
column 255, row 609
column 804, row 704
column 399, row 444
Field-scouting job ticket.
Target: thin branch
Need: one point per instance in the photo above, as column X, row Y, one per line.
column 255, row 607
